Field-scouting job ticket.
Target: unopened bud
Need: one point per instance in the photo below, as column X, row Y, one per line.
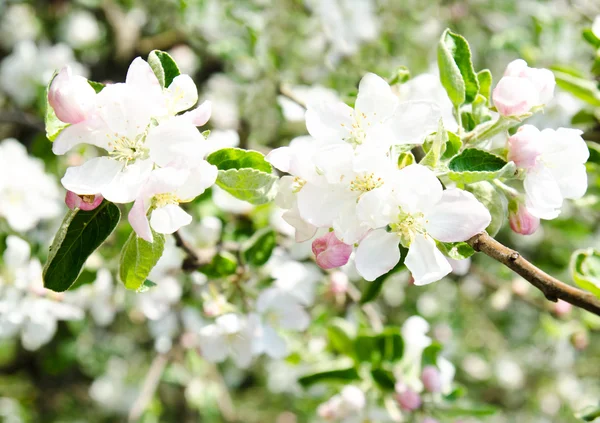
column 82, row 202
column 521, row 221
column 431, row 379
column 330, row 252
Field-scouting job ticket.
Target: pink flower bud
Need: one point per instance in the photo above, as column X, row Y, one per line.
column 82, row 202
column 522, row 88
column 521, row 221
column 330, row 252
column 524, row 147
column 71, row 97
column 430, row 376
column 562, row 308
column 408, row 399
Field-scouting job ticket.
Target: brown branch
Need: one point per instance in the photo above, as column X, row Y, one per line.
column 552, row 288
column 193, row 259
column 287, row 92
column 149, row 386
column 21, row 118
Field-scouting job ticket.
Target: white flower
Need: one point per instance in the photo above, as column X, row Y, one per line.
column 80, row 29
column 596, row 26
column 186, row 58
column 19, row 23
column 278, row 310
column 418, row 212
column 124, row 124
column 25, row 305
column 231, row 335
column 555, row 167
column 27, row 193
column 346, row 24
column 378, row 119
column 294, row 112
column 157, row 301
column 164, row 190
column 522, row 88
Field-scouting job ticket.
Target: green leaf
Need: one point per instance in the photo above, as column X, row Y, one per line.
column 581, row 88
column 430, row 355
column 340, row 375
column 590, row 414
column 164, row 67
column 453, row 146
column 146, row 286
column 374, row 288
column 138, row 257
column 494, row 201
column 474, row 165
column 585, row 270
column 247, row 184
column 390, row 344
column 456, row 69
column 594, row 149
column 79, row 235
column 438, row 145
column 237, row 158
column 223, row 264
column 481, row 112
column 53, row 124
column 456, row 250
column 258, row 249
column 384, row 379
column 340, row 335
column 365, row 347
column 97, row 86
column 591, row 38
column 484, row 77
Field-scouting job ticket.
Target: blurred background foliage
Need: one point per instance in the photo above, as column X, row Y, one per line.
column 512, row 349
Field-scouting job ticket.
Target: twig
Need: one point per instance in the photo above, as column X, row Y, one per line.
column 286, row 91
column 193, row 259
column 369, row 310
column 149, row 386
column 552, row 288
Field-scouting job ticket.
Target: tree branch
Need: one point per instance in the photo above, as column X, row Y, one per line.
column 287, row 92
column 552, row 288
column 149, row 386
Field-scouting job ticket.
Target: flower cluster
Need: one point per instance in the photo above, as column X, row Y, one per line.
column 155, row 154
column 345, row 178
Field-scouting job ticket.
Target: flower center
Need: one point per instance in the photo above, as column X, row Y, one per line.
column 356, row 132
column 365, row 183
column 161, row 200
column 128, row 150
column 297, row 184
column 408, row 225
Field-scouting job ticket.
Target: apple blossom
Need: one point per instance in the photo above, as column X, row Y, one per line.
column 230, row 335
column 378, row 119
column 71, row 96
column 164, row 190
column 417, row 212
column 330, row 252
column 27, row 193
column 523, row 88
column 349, row 402
column 554, row 162
column 408, row 400
column 430, row 376
column 131, row 121
column 278, row 309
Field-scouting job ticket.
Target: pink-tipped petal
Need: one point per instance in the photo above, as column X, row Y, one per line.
column 139, row 221
column 521, row 220
column 430, row 376
column 200, row 115
column 524, row 147
column 330, row 252
column 71, row 97
column 72, row 200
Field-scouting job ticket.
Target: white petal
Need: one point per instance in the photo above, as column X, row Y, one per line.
column 319, row 206
column 200, row 115
column 92, row 176
column 201, row 177
column 125, row 187
column 413, row 120
column 304, row 230
column 280, row 158
column 175, row 139
column 374, row 209
column 456, row 217
column 165, row 180
column 92, row 131
column 37, row 333
column 543, row 196
column 375, row 98
column 573, row 181
column 272, row 344
column 168, row 219
column 141, row 77
column 212, row 344
column 181, row 94
column 377, row 254
column 416, row 188
column 426, row 263
column 329, row 121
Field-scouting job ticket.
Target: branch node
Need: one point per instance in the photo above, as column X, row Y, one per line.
column 514, row 256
